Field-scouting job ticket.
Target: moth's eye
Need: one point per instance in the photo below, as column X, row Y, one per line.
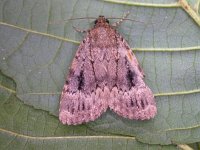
column 95, row 22
column 107, row 20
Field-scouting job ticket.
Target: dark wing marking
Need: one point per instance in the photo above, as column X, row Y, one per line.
column 131, row 98
column 81, row 100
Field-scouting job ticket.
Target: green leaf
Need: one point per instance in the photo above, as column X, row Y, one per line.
column 36, row 52
column 23, row 127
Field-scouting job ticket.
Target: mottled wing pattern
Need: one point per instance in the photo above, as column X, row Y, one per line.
column 105, row 73
column 131, row 98
column 80, row 100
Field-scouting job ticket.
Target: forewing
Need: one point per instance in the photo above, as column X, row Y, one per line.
column 131, row 98
column 81, row 101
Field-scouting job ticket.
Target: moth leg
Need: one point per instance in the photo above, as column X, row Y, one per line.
column 116, row 24
column 79, row 30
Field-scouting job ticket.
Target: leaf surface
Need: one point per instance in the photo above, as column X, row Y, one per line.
column 37, row 47
column 24, row 127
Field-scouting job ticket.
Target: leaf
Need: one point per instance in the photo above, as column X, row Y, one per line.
column 36, row 52
column 23, row 127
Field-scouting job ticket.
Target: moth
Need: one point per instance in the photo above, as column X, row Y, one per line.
column 105, row 74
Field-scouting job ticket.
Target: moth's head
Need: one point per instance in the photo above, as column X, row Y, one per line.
column 101, row 20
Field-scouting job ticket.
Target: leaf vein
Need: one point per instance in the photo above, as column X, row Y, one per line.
column 63, row 137
column 175, row 49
